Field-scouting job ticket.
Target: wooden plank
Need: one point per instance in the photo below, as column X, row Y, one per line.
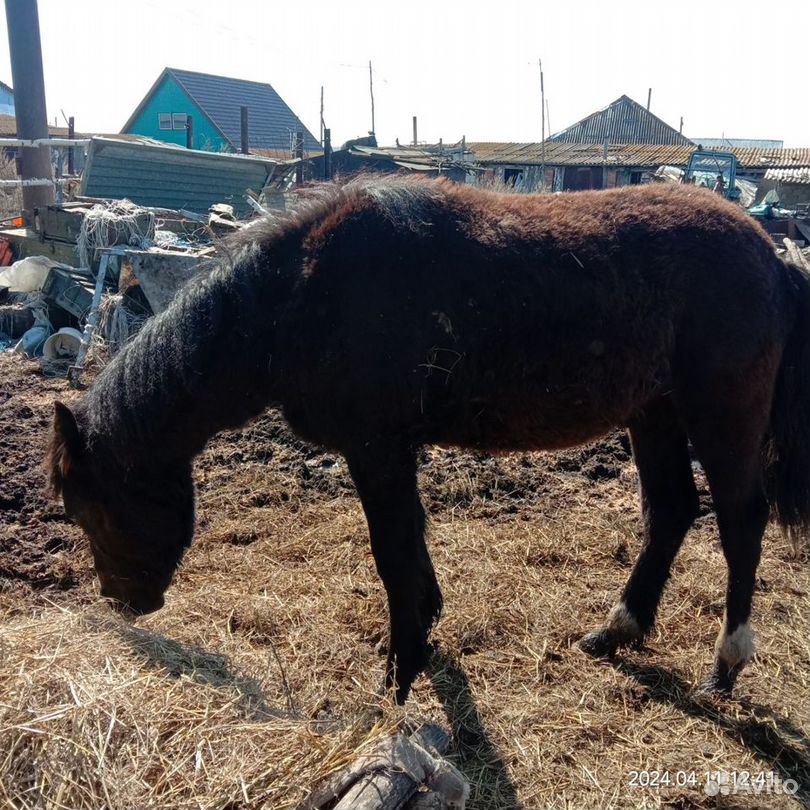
column 796, row 256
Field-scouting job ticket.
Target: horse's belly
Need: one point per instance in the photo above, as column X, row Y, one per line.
column 524, row 415
column 531, row 428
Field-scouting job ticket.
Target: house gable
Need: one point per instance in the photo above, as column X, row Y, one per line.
column 168, row 97
column 624, row 121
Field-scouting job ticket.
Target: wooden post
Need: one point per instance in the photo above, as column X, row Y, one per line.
column 189, row 132
column 299, row 154
column 327, row 153
column 90, row 326
column 22, row 19
column 414, row 131
column 243, row 118
column 604, row 163
column 72, row 149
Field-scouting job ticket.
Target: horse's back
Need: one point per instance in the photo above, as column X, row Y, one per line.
column 509, row 321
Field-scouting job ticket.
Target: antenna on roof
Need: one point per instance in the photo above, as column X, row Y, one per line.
column 649, row 97
column 371, row 90
column 321, row 115
column 542, row 129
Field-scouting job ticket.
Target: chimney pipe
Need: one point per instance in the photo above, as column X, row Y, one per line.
column 243, row 120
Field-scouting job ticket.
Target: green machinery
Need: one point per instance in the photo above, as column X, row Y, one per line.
column 704, row 166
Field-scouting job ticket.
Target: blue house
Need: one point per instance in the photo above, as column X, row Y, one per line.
column 214, row 104
column 6, row 99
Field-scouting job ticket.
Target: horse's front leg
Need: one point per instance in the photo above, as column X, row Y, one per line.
column 385, row 477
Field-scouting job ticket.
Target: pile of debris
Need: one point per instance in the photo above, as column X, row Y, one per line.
column 90, row 272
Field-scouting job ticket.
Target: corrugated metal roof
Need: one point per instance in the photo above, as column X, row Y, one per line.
column 271, row 122
column 772, row 158
column 740, row 143
column 641, row 155
column 794, row 176
column 165, row 176
column 623, row 121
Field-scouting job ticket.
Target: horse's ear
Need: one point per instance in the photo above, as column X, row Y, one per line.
column 66, row 445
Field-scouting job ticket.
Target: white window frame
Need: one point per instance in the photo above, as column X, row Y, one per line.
column 164, row 121
column 179, row 120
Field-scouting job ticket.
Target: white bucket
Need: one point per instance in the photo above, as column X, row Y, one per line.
column 63, row 345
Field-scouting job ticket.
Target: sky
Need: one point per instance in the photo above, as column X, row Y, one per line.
column 463, row 68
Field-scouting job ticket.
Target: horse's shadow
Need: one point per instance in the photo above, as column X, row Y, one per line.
column 475, row 755
column 202, row 666
column 776, row 742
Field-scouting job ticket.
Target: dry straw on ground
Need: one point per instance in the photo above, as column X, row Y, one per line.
column 260, row 676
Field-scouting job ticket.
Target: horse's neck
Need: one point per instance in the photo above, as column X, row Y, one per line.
column 199, row 368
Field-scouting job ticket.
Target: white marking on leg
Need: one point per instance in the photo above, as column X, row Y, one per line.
column 622, row 622
column 737, row 648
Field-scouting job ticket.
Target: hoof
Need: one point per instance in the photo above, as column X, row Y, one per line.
column 720, row 681
column 599, row 644
column 401, row 673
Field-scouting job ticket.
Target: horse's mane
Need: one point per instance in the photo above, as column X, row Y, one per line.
column 216, row 321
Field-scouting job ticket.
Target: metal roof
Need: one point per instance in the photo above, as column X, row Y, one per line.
column 271, row 123
column 641, row 155
column 167, row 176
column 794, row 176
column 622, row 121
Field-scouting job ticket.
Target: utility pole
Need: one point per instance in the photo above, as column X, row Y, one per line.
column 371, row 90
column 22, row 19
column 322, row 133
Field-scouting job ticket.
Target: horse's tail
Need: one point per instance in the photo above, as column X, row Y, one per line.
column 788, row 449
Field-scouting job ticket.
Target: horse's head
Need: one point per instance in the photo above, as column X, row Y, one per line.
column 138, row 525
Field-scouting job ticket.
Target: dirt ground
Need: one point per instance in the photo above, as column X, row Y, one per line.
column 261, row 674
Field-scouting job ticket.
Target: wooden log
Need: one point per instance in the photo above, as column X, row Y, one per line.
column 391, row 771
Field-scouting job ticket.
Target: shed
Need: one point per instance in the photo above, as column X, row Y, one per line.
column 577, row 166
column 164, row 176
column 792, row 186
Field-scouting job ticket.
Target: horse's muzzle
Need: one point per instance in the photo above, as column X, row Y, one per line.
column 132, row 606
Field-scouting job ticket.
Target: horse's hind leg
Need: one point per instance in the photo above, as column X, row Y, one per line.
column 669, row 504
column 385, row 477
column 730, row 450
